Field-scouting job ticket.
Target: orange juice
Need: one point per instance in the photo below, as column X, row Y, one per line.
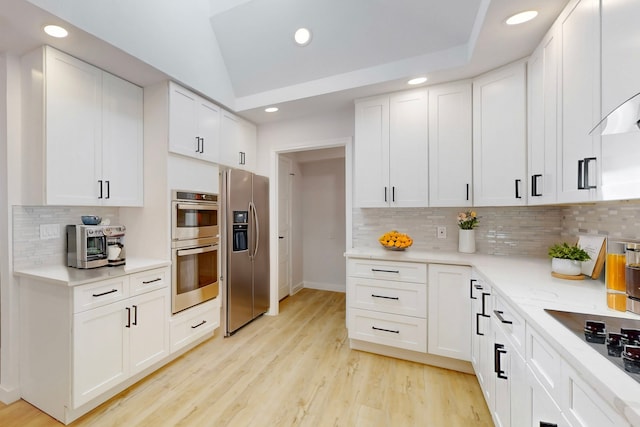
column 615, row 270
column 617, row 301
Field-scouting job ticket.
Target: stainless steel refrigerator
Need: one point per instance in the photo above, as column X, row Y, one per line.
column 245, row 247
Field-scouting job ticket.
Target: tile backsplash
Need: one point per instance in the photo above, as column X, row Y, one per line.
column 525, row 230
column 31, row 251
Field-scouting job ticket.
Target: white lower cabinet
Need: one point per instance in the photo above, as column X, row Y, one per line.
column 81, row 342
column 448, row 332
column 540, row 409
column 193, row 324
column 510, row 381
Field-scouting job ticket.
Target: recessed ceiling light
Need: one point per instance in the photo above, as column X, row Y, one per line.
column 302, row 36
column 271, row 109
column 56, row 31
column 522, row 17
column 417, row 81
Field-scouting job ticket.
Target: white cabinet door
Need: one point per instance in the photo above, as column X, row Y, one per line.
column 371, row 153
column 542, row 409
column 620, row 81
column 408, row 149
column 542, row 98
column 208, row 130
column 248, row 148
column 73, row 130
column 122, row 143
column 579, row 102
column 230, row 137
column 183, row 138
column 149, row 329
column 450, row 145
column 100, row 351
column 449, row 332
column 499, row 137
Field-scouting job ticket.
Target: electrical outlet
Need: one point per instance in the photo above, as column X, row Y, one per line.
column 49, row 231
column 442, row 232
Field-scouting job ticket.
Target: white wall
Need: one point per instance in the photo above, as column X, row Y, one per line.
column 323, row 224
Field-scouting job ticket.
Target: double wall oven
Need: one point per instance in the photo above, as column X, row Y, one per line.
column 194, row 248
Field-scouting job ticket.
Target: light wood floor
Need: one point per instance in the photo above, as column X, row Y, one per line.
column 295, row 369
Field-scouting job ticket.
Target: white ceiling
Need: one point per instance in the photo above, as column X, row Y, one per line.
column 359, row 47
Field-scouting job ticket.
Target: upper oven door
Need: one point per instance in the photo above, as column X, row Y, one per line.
column 194, row 220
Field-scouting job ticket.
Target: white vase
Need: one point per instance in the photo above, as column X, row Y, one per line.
column 467, row 241
column 568, row 267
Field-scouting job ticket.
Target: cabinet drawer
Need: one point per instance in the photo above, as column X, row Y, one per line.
column 194, row 323
column 388, row 270
column 388, row 329
column 544, row 362
column 147, row 281
column 97, row 294
column 403, row 298
column 511, row 323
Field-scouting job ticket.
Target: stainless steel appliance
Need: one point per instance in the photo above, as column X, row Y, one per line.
column 632, row 276
column 615, row 338
column 90, row 246
column 245, row 247
column 194, row 249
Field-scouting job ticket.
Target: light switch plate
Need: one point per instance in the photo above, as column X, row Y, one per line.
column 442, row 232
column 49, row 231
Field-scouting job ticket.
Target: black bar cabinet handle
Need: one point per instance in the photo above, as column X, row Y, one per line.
column 484, row 308
column 393, row 193
column 202, row 145
column 135, row 315
column 534, row 185
column 385, row 271
column 471, row 283
column 498, row 351
column 586, row 173
column 128, row 325
column 501, row 318
column 478, row 325
column 546, row 424
column 467, row 192
column 384, row 297
column 385, row 194
column 146, row 282
column 581, row 175
column 100, row 184
column 385, row 330
column 197, row 144
column 518, row 196
column 199, row 324
column 108, row 189
column 105, row 293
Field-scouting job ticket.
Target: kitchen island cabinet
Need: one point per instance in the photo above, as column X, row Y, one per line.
column 84, row 142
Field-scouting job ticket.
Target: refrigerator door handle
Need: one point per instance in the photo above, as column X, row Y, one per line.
column 254, row 212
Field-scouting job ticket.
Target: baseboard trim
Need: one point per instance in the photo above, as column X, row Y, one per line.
column 9, row 395
column 325, row 286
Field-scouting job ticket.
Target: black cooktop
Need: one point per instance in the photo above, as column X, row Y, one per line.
column 616, row 338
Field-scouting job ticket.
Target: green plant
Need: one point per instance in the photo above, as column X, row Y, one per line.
column 467, row 220
column 566, row 251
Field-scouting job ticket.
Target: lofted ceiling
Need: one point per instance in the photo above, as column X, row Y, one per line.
column 359, row 47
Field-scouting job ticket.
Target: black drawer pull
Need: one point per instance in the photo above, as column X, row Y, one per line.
column 199, row 324
column 382, row 296
column 105, row 293
column 501, row 318
column 471, row 283
column 135, row 315
column 478, row 325
column 151, row 281
column 128, row 325
column 376, row 270
column 484, row 307
column 498, row 351
column 546, row 424
column 385, row 330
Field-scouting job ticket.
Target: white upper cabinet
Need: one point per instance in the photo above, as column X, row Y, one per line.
column 578, row 153
column 391, row 161
column 194, row 125
column 499, row 137
column 542, row 125
column 237, row 142
column 83, row 133
column 450, row 145
column 620, row 81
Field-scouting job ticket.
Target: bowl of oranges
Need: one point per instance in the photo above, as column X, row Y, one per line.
column 395, row 241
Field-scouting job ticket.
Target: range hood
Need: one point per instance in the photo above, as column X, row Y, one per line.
column 623, row 119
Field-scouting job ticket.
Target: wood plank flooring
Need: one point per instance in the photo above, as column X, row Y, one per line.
column 295, row 369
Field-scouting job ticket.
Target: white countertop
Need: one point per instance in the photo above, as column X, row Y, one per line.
column 69, row 276
column 527, row 284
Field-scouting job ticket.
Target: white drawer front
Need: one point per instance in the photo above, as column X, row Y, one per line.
column 194, row 323
column 387, row 270
column 147, row 281
column 544, row 362
column 511, row 323
column 97, row 294
column 388, row 329
column 389, row 297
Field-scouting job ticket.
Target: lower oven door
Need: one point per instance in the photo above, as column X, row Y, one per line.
column 195, row 276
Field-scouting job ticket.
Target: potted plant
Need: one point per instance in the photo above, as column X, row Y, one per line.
column 567, row 259
column 467, row 221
